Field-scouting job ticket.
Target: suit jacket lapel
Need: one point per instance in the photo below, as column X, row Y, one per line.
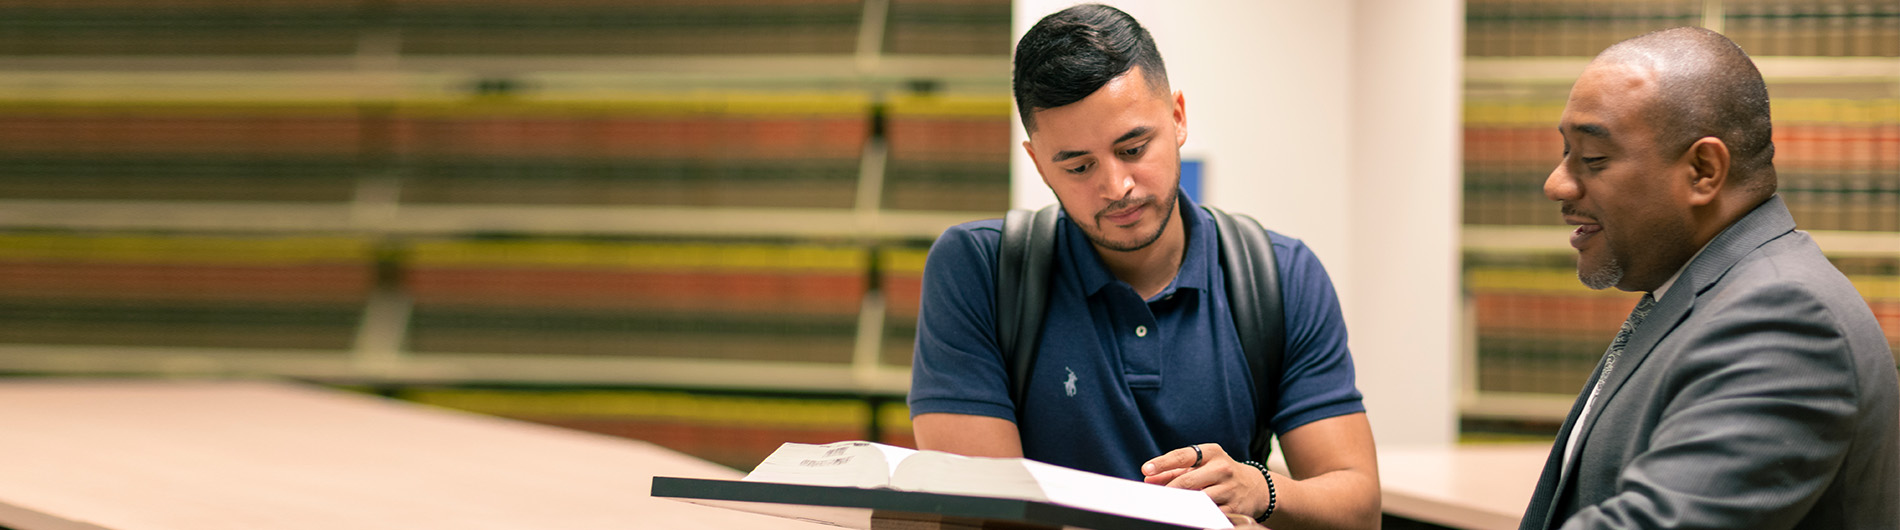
column 1555, row 478
column 1662, row 319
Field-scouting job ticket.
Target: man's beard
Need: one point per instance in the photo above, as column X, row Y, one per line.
column 1167, row 214
column 1602, row 277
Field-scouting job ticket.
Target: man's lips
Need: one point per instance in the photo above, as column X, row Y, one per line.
column 1584, row 232
column 1125, row 216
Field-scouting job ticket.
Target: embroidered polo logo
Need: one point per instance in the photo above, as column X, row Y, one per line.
column 1069, row 386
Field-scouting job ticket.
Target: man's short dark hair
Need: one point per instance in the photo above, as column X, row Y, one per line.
column 1073, row 52
column 1707, row 86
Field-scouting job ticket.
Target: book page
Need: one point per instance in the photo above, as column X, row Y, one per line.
column 1106, row 494
column 893, row 456
column 853, row 464
column 940, row 472
column 1023, row 479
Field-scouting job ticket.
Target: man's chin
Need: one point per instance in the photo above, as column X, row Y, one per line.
column 1126, row 243
column 1599, row 276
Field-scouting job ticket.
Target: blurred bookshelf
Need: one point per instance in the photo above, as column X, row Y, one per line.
column 528, row 207
column 1833, row 73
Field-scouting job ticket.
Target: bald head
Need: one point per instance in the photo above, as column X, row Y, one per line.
column 1706, row 86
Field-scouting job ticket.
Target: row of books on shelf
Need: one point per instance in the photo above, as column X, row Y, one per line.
column 961, row 27
column 587, row 27
column 948, row 153
column 769, row 301
column 945, row 153
column 735, row 430
column 280, row 292
column 1513, row 28
column 1828, row 28
column 1540, row 331
column 504, row 27
column 794, row 302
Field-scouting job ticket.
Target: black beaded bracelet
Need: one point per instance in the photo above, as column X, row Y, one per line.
column 1273, row 498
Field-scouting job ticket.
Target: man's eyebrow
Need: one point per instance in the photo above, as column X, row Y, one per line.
column 1130, row 135
column 1134, row 133
column 1592, row 129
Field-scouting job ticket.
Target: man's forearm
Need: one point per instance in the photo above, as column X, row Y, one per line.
column 1337, row 469
column 1346, row 498
column 967, row 435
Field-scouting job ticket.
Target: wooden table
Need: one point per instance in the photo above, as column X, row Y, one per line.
column 1480, row 487
column 153, row 455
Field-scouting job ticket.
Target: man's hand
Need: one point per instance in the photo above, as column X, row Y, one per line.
column 1332, row 480
column 1236, row 487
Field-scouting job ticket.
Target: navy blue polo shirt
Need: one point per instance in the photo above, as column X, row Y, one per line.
column 1119, row 379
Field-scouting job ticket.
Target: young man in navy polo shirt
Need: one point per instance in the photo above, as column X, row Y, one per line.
column 1139, row 372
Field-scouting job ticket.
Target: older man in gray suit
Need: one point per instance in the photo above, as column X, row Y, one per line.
column 1751, row 386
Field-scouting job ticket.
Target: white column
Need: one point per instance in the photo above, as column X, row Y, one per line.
column 1408, row 142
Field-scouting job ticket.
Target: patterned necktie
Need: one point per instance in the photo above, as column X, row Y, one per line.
column 1609, row 364
column 1623, row 338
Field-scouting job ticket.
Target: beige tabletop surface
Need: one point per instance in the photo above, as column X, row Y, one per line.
column 1481, row 487
column 160, row 455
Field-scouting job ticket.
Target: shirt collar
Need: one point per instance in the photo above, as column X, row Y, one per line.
column 1202, row 245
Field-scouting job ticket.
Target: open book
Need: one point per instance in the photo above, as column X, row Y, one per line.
column 859, row 464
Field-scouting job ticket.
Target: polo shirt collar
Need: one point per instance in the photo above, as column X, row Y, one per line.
column 1194, row 273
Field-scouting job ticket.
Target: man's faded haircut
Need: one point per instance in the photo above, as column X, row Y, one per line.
column 1073, row 52
column 1707, row 86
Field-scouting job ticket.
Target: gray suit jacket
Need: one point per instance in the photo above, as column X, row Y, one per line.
column 1758, row 393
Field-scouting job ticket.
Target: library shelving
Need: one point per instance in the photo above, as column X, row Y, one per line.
column 1833, row 73
column 544, row 210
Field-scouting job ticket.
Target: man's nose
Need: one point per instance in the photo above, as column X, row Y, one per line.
column 1118, row 180
column 1559, row 186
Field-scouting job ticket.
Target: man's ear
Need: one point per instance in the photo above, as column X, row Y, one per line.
column 1180, row 119
column 1709, row 164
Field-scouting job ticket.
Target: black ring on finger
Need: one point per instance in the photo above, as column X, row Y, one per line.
column 1197, row 455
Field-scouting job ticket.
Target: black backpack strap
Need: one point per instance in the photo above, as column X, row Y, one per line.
column 1024, row 263
column 1253, row 291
